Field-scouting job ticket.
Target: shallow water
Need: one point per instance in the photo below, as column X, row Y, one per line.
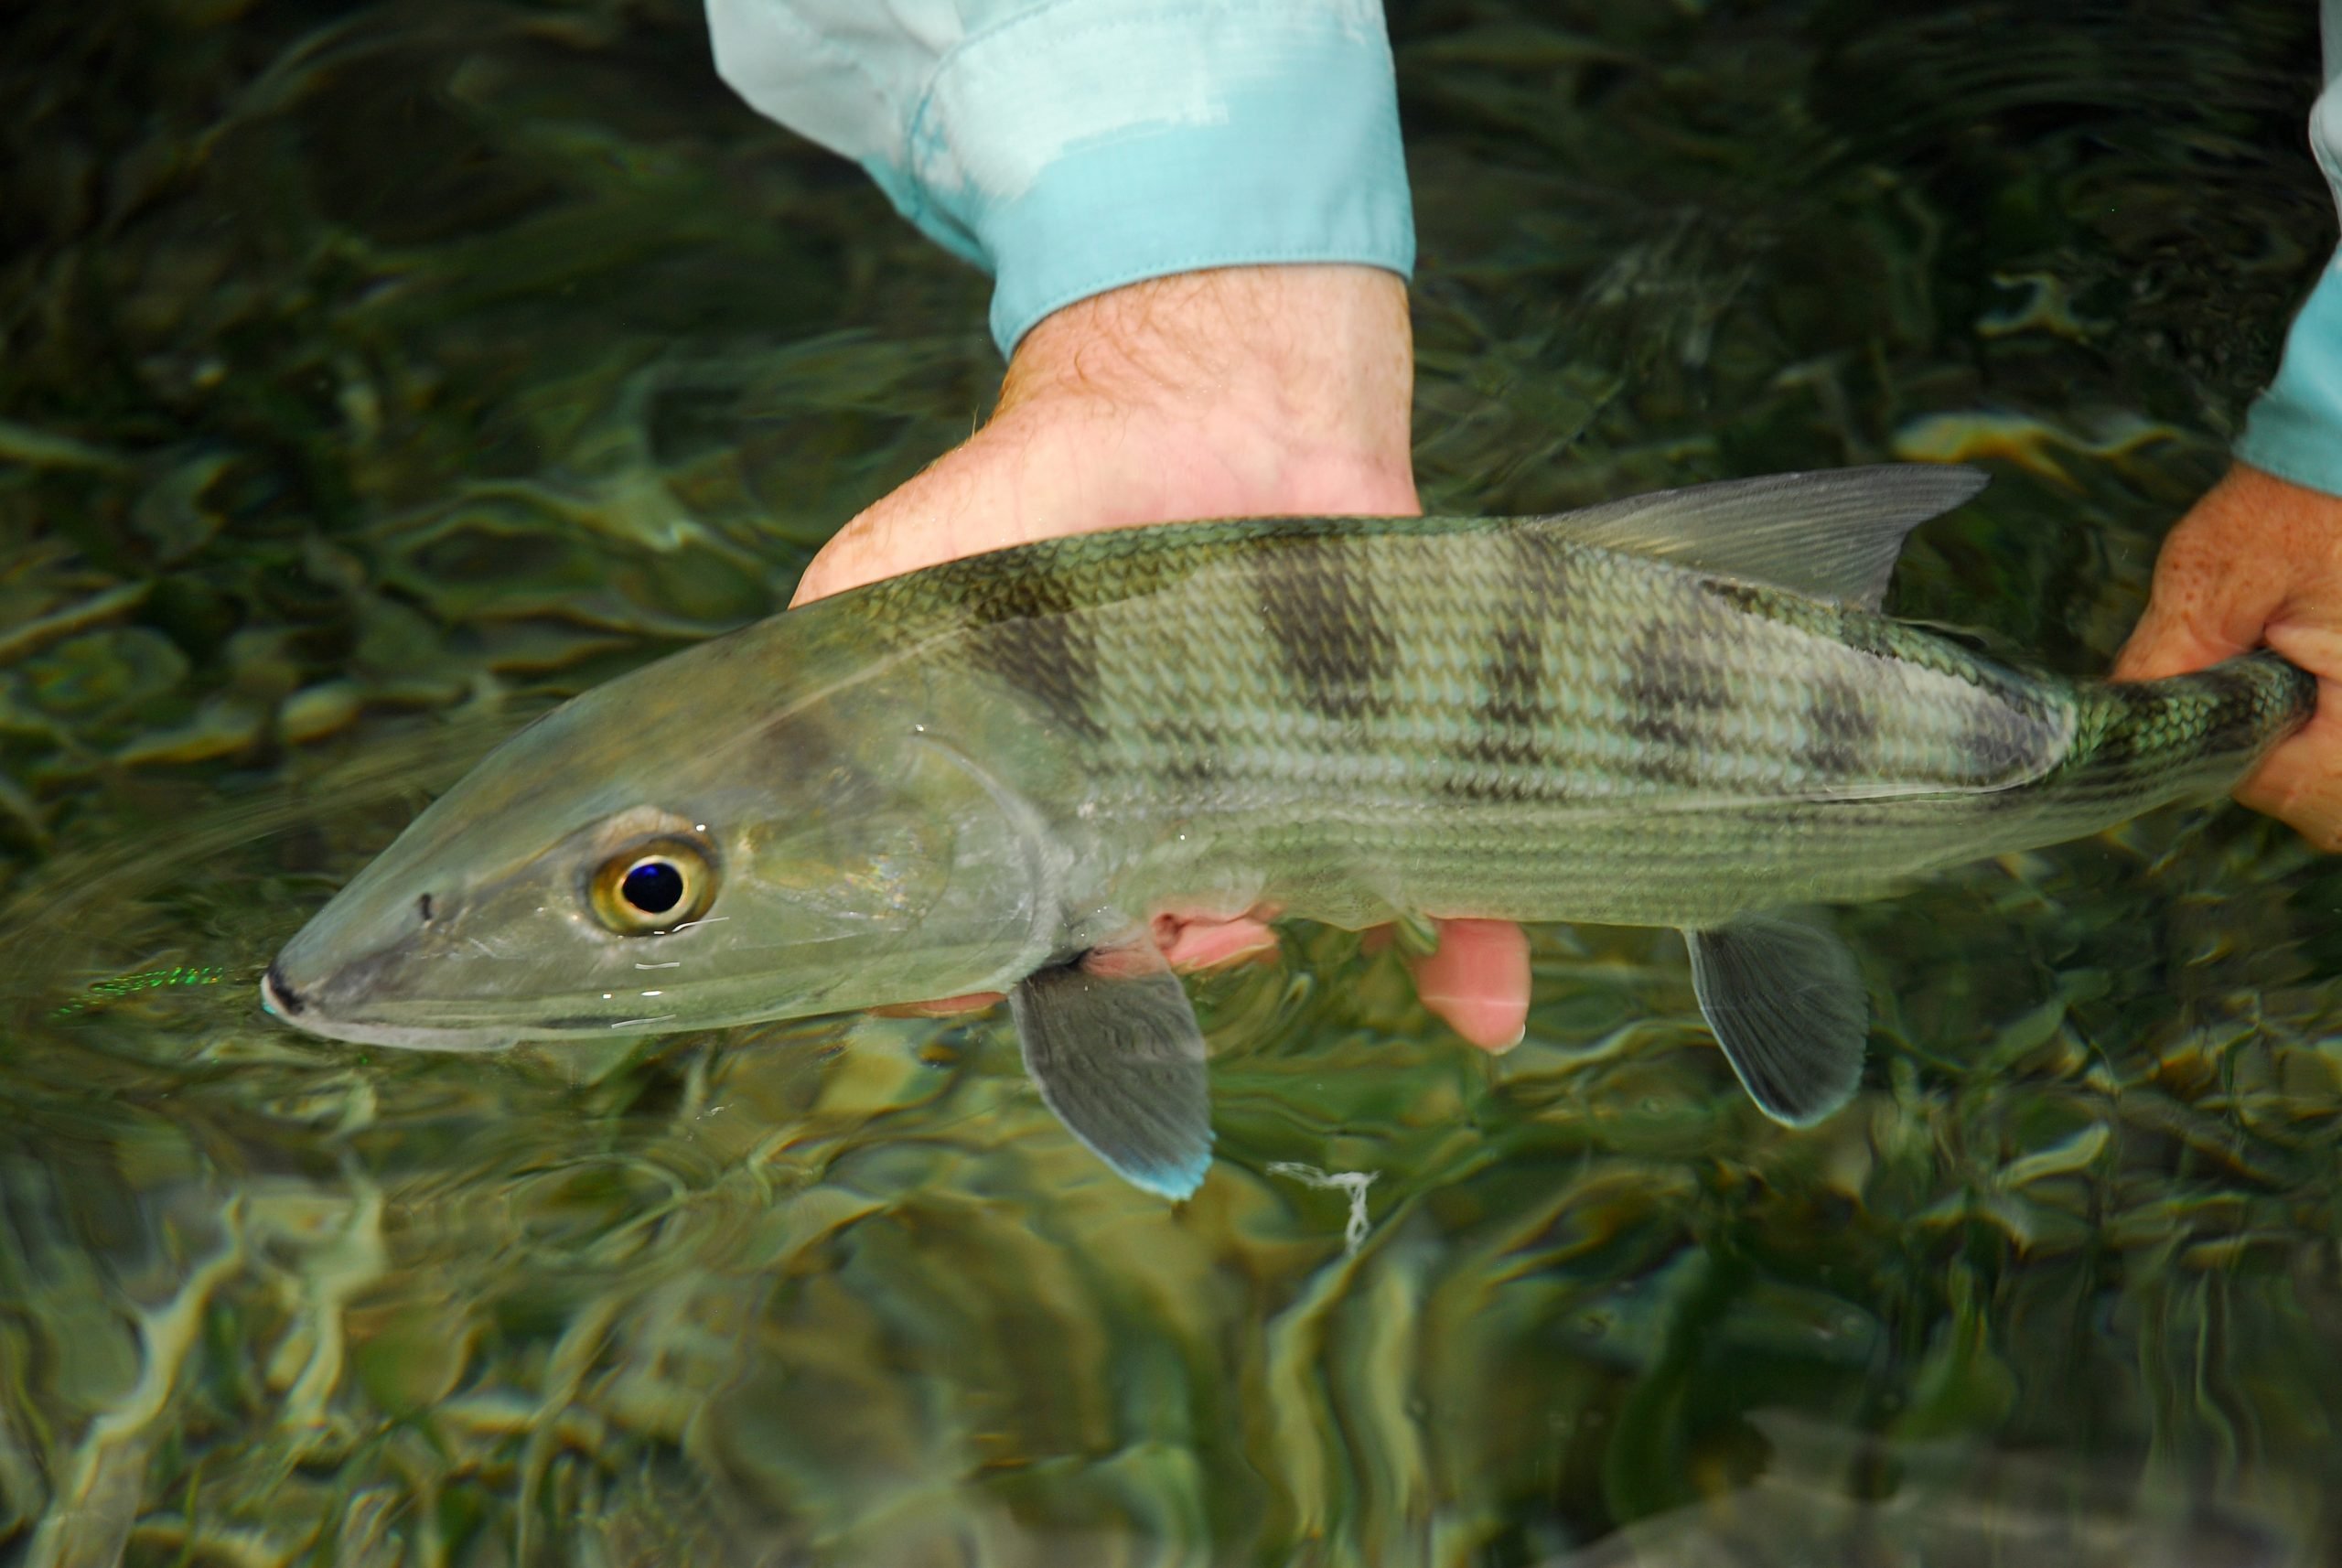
column 374, row 376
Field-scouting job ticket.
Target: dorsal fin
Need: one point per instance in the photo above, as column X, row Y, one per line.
column 1831, row 534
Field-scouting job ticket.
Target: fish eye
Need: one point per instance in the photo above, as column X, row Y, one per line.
column 654, row 886
column 649, row 888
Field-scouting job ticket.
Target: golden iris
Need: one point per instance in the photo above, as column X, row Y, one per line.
column 647, row 888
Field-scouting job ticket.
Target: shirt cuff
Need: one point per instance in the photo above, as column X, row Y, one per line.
column 1076, row 150
column 2295, row 430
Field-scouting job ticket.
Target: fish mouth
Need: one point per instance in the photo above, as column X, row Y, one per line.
column 279, row 998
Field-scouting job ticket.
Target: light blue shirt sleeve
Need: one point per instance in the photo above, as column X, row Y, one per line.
column 2295, row 430
column 1072, row 146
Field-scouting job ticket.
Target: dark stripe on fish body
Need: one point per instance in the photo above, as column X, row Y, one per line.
column 2232, row 712
column 2144, row 728
column 1866, row 634
column 1081, row 572
column 1510, row 722
column 1331, row 637
column 1026, row 608
column 1671, row 687
column 1739, row 596
column 1028, row 634
column 2119, row 747
column 1989, row 750
column 1842, row 728
column 2238, row 712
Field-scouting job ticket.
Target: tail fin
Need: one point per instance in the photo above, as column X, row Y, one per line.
column 2141, row 744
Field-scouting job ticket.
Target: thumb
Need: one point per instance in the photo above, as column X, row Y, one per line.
column 2225, row 570
column 2172, row 639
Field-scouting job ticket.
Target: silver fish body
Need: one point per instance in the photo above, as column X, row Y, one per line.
column 1681, row 710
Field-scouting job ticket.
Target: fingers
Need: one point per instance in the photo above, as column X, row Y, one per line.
column 2300, row 783
column 2172, row 639
column 2227, row 568
column 943, row 1006
column 2258, row 563
column 1203, row 944
column 1478, row 981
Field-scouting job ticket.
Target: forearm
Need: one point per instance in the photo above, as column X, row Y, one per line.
column 2295, row 430
column 1076, row 147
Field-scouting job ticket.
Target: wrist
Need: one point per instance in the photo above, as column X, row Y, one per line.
column 1299, row 379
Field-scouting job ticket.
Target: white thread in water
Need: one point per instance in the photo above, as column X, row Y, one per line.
column 1355, row 1183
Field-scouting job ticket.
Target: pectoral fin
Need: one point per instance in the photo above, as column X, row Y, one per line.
column 1112, row 1043
column 1787, row 1003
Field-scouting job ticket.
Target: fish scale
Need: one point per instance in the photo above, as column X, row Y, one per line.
column 1416, row 723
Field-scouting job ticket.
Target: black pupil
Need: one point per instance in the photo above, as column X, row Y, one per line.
column 654, row 887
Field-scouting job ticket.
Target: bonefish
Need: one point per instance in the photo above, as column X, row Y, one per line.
column 1684, row 709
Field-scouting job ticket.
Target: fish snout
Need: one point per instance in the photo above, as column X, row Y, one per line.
column 358, row 1000
column 348, row 949
column 277, row 996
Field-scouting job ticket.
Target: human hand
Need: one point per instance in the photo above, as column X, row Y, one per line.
column 2258, row 563
column 1241, row 392
column 1238, row 392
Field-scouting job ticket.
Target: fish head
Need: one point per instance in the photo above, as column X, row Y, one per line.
column 702, row 842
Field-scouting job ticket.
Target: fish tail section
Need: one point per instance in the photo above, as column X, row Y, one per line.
column 2141, row 745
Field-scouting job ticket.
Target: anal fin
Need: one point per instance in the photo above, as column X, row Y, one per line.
column 1787, row 1003
column 1112, row 1043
